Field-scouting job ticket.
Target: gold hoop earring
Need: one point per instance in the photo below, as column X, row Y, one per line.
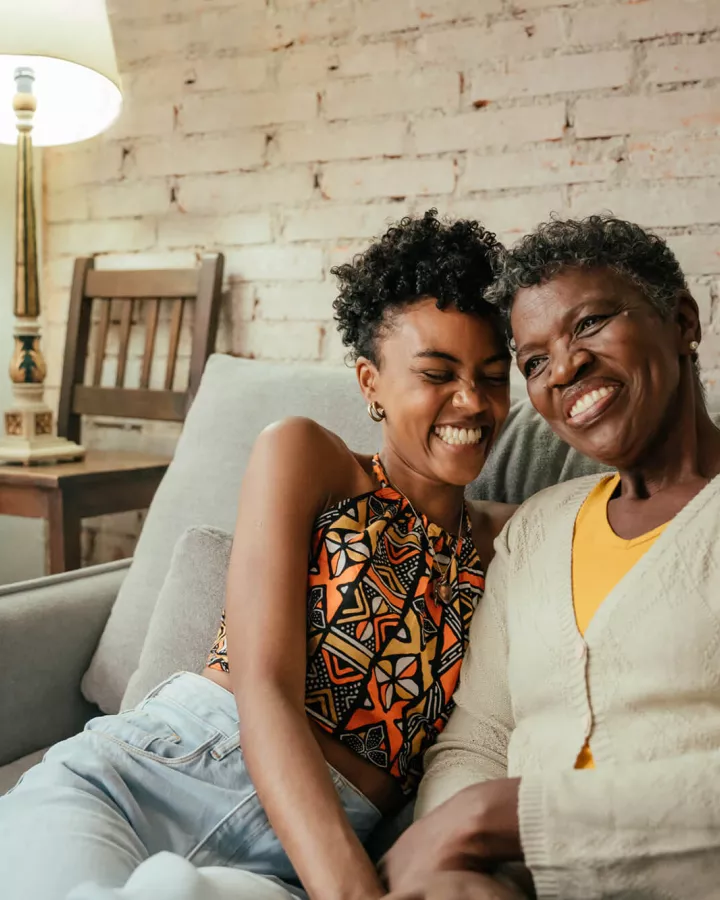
column 376, row 413
column 693, row 346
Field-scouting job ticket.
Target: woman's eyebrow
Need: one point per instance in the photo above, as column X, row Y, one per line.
column 436, row 354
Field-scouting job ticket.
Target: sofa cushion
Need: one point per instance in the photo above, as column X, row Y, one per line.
column 186, row 617
column 236, row 400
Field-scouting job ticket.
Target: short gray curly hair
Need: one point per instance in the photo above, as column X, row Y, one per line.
column 600, row 241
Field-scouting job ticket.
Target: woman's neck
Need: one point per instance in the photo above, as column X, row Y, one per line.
column 686, row 451
column 440, row 502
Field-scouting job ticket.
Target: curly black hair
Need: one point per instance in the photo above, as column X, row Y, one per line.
column 600, row 241
column 417, row 258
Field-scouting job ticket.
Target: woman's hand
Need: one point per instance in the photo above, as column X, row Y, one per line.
column 459, row 886
column 468, row 833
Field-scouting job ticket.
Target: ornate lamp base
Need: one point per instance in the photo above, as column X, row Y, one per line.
column 29, row 430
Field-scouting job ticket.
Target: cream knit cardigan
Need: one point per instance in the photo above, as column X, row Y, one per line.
column 644, row 685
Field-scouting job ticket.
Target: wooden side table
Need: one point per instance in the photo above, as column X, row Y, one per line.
column 101, row 484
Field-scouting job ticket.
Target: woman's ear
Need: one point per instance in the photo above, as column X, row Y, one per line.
column 367, row 376
column 687, row 317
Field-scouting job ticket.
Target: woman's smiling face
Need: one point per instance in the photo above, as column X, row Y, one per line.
column 443, row 381
column 602, row 367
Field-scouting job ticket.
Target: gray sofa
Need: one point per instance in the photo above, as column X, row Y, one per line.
column 70, row 643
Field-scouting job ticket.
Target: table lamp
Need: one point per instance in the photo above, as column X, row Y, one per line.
column 59, row 84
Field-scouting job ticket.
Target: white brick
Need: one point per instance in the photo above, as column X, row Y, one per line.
column 70, row 205
column 306, row 65
column 83, row 238
column 138, row 42
column 135, row 198
column 342, row 252
column 381, row 17
column 534, row 77
column 275, row 262
column 217, row 112
column 698, row 254
column 675, row 156
column 429, row 89
column 683, row 62
column 274, row 340
column 694, row 109
column 92, row 161
column 534, row 168
column 240, row 73
column 374, row 58
column 223, row 194
column 334, row 352
column 296, row 302
column 389, row 178
column 184, row 155
column 143, row 121
column 701, row 290
column 57, row 271
column 327, row 19
column 640, row 21
column 213, row 231
column 528, row 36
column 231, row 32
column 172, row 79
column 511, row 214
column 672, row 205
column 522, row 5
column 485, row 128
column 341, row 141
column 242, row 304
column 330, row 222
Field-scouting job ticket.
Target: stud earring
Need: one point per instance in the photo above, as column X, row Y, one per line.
column 376, row 413
column 693, row 346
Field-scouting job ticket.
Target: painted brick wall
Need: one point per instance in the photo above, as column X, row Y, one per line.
column 288, row 132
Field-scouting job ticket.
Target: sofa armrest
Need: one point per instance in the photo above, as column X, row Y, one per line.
column 49, row 629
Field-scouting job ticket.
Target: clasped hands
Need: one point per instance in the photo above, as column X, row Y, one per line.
column 450, row 853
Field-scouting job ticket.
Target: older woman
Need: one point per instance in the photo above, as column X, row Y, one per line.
column 586, row 739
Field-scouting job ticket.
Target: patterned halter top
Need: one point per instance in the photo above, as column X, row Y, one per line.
column 383, row 655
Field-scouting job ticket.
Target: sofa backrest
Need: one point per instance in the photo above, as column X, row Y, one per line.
column 236, row 400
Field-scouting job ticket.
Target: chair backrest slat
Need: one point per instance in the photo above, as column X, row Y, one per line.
column 142, row 284
column 101, row 337
column 174, row 346
column 152, row 312
column 125, row 326
column 201, row 287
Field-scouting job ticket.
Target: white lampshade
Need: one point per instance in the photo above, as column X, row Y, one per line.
column 69, row 46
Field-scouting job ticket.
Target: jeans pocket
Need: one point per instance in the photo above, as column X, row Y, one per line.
column 150, row 735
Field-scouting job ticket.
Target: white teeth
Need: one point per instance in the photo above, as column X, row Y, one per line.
column 589, row 399
column 458, row 436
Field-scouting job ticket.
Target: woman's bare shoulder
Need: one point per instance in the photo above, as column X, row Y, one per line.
column 491, row 515
column 488, row 520
column 310, row 448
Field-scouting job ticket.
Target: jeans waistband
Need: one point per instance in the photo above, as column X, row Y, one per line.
column 201, row 697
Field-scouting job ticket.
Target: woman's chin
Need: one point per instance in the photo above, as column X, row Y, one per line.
column 460, row 463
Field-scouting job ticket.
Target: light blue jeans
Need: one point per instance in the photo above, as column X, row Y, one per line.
column 168, row 775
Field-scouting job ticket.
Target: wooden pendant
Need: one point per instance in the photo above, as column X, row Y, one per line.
column 443, row 592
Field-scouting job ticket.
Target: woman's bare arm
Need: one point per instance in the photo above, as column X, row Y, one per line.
column 295, row 470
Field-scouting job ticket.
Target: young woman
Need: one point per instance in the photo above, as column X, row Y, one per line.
column 351, row 588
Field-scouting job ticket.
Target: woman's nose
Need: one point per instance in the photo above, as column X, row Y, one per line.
column 470, row 397
column 565, row 364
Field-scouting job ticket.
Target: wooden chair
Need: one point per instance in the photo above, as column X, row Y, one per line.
column 109, row 482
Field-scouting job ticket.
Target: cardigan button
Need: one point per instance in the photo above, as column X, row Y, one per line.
column 588, row 723
column 581, row 649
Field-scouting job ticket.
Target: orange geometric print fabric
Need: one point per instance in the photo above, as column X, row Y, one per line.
column 383, row 656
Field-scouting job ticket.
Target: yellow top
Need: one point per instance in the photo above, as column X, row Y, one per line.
column 600, row 559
